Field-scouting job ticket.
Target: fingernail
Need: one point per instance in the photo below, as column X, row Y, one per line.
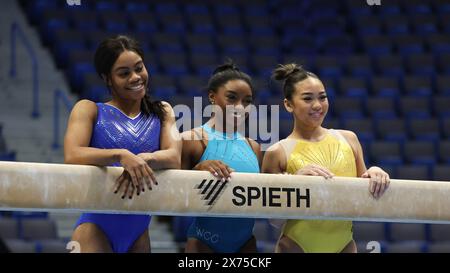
column 216, row 174
column 223, row 179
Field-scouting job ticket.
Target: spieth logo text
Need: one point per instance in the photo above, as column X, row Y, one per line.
column 211, row 190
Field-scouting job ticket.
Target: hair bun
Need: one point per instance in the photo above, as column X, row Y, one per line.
column 228, row 65
column 284, row 71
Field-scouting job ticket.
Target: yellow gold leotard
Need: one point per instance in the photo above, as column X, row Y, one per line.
column 334, row 153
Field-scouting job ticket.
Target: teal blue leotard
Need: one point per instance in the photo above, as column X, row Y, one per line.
column 222, row 234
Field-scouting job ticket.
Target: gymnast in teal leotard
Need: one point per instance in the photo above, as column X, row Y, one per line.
column 217, row 147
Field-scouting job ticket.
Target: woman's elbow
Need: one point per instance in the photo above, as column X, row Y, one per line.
column 176, row 162
column 69, row 159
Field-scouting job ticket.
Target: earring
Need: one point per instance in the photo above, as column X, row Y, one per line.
column 212, row 102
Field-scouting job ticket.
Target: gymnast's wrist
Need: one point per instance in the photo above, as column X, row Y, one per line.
column 120, row 154
column 147, row 157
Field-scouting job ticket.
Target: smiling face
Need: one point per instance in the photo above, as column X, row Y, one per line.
column 129, row 78
column 309, row 103
column 235, row 95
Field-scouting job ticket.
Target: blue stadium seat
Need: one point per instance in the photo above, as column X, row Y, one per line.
column 424, row 129
column 232, row 44
column 259, row 25
column 390, row 8
column 414, row 107
column 396, row 25
column 415, row 7
column 263, row 64
column 201, row 24
column 438, row 43
column 345, row 107
column 162, row 8
column 440, row 106
column 444, row 124
column 420, row 153
column 52, row 21
column 144, row 22
column 421, row 64
column 353, row 87
column 96, row 93
column 200, row 44
column 390, row 65
column 264, row 44
column 359, row 66
column 386, row 153
column 192, row 85
column 362, row 127
column 137, row 6
column 301, row 45
column 102, row 6
column 420, row 86
column 114, row 21
column 230, row 24
column 35, row 9
column 443, row 85
column 173, row 23
column 196, row 9
column 381, row 108
column 163, row 86
column 444, row 151
column 328, row 66
column 412, row 172
column 424, row 24
column 167, row 43
column 386, row 86
column 85, row 20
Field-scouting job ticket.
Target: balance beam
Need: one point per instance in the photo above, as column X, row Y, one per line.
column 80, row 188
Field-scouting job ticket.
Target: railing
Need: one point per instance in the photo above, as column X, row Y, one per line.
column 17, row 32
column 58, row 96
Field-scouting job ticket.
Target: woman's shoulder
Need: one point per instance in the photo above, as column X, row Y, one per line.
column 86, row 104
column 196, row 133
column 278, row 148
column 85, row 107
column 349, row 135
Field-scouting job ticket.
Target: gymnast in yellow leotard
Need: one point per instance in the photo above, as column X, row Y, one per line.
column 314, row 150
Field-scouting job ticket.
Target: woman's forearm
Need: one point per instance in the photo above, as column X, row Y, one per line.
column 163, row 159
column 93, row 156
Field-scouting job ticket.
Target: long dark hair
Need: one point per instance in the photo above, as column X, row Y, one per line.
column 106, row 55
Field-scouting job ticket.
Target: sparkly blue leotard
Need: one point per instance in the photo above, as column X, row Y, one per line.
column 115, row 130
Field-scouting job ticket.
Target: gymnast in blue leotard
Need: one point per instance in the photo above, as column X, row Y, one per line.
column 130, row 131
column 218, row 147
